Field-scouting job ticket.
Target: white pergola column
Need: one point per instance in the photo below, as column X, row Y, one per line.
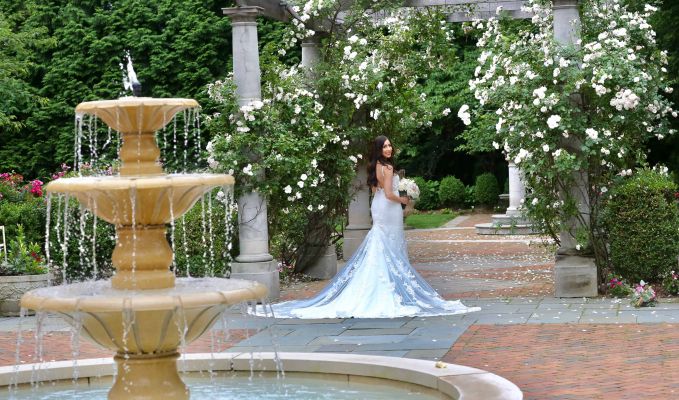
column 517, row 190
column 575, row 276
column 254, row 261
column 359, row 221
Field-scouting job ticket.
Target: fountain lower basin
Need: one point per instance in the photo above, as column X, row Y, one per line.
column 145, row 327
column 452, row 382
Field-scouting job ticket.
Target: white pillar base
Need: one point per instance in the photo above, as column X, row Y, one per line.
column 325, row 266
column 575, row 276
column 265, row 273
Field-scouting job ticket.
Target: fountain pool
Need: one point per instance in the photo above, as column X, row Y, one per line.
column 326, row 373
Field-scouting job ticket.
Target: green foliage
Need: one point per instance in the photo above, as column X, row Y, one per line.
column 486, row 189
column 470, row 196
column 29, row 213
column 671, row 283
column 642, row 223
column 451, row 192
column 21, row 203
column 429, row 194
column 16, row 64
column 23, row 258
column 74, row 53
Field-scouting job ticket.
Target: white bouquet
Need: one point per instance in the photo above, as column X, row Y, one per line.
column 409, row 188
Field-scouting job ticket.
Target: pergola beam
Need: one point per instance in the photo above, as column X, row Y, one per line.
column 481, row 9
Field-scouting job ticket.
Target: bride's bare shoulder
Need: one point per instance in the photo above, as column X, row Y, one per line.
column 387, row 168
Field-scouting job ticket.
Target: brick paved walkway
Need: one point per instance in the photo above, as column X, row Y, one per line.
column 577, row 361
column 553, row 349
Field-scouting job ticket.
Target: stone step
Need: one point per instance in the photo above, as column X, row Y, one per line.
column 495, row 229
column 504, row 219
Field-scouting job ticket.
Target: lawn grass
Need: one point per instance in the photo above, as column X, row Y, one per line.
column 427, row 221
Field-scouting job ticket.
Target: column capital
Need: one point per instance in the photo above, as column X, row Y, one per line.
column 243, row 14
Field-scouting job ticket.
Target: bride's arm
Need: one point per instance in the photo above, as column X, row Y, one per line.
column 388, row 171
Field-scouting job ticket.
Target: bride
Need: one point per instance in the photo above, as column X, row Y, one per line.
column 378, row 280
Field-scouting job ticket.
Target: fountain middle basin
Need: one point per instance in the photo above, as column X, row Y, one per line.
column 143, row 322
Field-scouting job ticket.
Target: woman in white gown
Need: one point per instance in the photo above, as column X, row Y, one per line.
column 378, row 280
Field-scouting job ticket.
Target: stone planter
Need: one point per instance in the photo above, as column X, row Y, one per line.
column 13, row 287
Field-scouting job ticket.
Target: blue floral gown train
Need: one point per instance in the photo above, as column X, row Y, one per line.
column 378, row 280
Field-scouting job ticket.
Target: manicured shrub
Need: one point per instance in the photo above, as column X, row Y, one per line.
column 642, row 222
column 451, row 192
column 487, row 189
column 429, row 195
column 29, row 213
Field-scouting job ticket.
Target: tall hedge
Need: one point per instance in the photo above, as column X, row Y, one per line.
column 642, row 222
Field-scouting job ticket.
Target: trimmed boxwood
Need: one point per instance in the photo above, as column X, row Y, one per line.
column 451, row 192
column 486, row 189
column 642, row 222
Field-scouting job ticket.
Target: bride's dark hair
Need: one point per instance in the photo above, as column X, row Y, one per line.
column 376, row 157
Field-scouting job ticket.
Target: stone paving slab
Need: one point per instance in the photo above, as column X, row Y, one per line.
column 374, row 332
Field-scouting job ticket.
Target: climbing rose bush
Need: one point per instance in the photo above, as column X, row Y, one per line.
column 309, row 133
column 570, row 116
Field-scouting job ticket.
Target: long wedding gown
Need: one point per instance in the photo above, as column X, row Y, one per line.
column 378, row 281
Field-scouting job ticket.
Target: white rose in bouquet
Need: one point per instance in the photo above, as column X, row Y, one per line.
column 409, row 187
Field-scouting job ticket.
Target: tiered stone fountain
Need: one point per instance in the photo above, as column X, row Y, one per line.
column 143, row 313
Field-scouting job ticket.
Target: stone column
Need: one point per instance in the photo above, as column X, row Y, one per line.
column 575, row 275
column 512, row 221
column 517, row 190
column 359, row 221
column 325, row 266
column 311, row 51
column 254, row 261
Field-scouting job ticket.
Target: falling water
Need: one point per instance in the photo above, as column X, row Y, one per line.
column 64, row 245
column 204, row 232
column 211, row 235
column 77, row 149
column 182, row 329
column 133, row 204
column 76, row 330
column 185, row 247
column 172, row 231
column 48, row 258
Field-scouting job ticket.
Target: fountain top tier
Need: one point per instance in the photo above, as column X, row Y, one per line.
column 136, row 114
column 137, row 119
column 143, row 198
